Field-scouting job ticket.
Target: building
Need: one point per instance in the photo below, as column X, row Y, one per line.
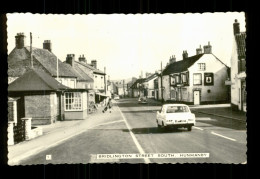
column 199, row 79
column 151, row 85
column 23, row 58
column 129, row 89
column 138, row 88
column 238, row 69
column 97, row 78
column 45, row 100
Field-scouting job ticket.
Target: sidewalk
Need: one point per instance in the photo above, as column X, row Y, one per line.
column 220, row 110
column 225, row 112
column 57, row 133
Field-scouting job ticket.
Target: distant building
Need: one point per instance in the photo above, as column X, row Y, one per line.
column 199, row 79
column 138, row 88
column 151, row 85
column 238, row 69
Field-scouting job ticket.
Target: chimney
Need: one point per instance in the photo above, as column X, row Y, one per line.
column 184, row 54
column 47, row 45
column 94, row 63
column 199, row 50
column 19, row 40
column 82, row 59
column 172, row 59
column 236, row 27
column 70, row 59
column 207, row 49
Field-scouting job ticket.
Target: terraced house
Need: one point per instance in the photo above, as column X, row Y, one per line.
column 195, row 80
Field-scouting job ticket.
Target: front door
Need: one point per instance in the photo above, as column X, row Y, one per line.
column 196, row 97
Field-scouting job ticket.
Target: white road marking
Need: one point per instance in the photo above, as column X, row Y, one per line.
column 223, row 136
column 112, row 122
column 198, row 128
column 141, row 151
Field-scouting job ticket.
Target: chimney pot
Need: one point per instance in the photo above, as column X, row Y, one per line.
column 70, row 59
column 236, row 27
column 184, row 54
column 208, row 48
column 47, row 45
column 20, row 40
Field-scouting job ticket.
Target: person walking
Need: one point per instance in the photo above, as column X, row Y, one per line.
column 108, row 106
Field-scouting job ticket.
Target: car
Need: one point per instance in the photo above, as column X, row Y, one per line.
column 142, row 100
column 175, row 116
column 116, row 97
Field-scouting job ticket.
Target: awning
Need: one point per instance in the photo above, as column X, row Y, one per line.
column 102, row 94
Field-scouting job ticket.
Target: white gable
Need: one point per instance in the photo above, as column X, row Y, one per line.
column 212, row 64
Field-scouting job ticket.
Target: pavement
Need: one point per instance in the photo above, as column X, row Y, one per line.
column 53, row 135
column 60, row 131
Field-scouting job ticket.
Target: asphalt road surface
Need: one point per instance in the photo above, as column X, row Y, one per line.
column 131, row 129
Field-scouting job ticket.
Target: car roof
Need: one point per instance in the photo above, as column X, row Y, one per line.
column 166, row 105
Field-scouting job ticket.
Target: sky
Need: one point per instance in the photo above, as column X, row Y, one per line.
column 128, row 44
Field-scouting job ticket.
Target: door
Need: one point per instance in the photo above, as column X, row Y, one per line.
column 196, row 97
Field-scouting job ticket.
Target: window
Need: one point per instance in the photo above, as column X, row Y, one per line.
column 177, row 109
column 73, row 101
column 202, row 66
column 183, row 78
column 177, row 79
column 152, row 93
column 208, row 79
column 197, row 79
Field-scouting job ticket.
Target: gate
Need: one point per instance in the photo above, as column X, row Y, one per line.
column 19, row 131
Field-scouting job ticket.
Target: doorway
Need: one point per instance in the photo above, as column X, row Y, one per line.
column 196, row 97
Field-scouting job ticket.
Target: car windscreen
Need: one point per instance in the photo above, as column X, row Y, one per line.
column 177, row 109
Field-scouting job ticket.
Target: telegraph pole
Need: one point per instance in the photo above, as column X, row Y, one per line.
column 105, row 80
column 31, row 49
column 161, row 83
column 124, row 87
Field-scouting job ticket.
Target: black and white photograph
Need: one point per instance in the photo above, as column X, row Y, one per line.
column 127, row 88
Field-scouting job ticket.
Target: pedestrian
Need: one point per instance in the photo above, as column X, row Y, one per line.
column 108, row 106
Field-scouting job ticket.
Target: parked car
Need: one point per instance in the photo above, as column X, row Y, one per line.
column 142, row 100
column 116, row 97
column 175, row 115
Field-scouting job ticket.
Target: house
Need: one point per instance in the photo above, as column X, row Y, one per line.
column 238, row 70
column 121, row 88
column 23, row 58
column 129, row 84
column 138, row 88
column 45, row 100
column 151, row 85
column 96, row 77
column 199, row 79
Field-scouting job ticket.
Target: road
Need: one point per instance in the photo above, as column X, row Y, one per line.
column 131, row 128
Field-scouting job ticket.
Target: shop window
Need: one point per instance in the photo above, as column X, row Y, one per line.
column 197, row 79
column 73, row 101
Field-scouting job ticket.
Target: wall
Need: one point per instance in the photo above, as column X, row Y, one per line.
column 70, row 82
column 99, row 82
column 38, row 107
column 235, row 78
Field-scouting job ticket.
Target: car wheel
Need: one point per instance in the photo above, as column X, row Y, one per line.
column 158, row 125
column 189, row 128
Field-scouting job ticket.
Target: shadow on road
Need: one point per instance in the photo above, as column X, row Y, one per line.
column 154, row 130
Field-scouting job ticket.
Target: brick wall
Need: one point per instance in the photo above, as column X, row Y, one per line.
column 39, row 108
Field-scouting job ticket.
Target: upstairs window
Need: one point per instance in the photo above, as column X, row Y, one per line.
column 197, row 79
column 201, row 66
column 183, row 78
column 177, row 79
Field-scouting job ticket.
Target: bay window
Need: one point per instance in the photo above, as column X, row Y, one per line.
column 73, row 101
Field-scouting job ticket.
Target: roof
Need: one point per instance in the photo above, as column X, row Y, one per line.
column 151, row 76
column 181, row 65
column 35, row 80
column 241, row 44
column 19, row 62
column 82, row 76
column 90, row 67
column 140, row 80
